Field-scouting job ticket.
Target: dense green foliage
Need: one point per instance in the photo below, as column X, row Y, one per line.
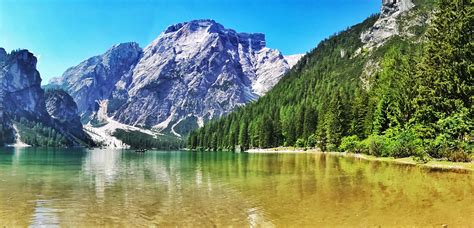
column 139, row 140
column 417, row 103
column 6, row 135
column 39, row 135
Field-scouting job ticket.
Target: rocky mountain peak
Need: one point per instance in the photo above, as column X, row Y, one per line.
column 3, row 54
column 192, row 72
column 390, row 7
column 96, row 78
column 63, row 111
column 193, row 25
column 389, row 2
column 118, row 50
column 206, row 28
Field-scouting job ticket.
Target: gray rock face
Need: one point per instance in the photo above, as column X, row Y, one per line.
column 192, row 72
column 21, row 95
column 3, row 54
column 199, row 69
column 95, row 79
column 63, row 110
column 21, row 86
column 387, row 24
column 6, row 127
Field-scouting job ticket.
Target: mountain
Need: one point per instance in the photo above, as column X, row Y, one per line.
column 193, row 72
column 398, row 84
column 23, row 106
column 64, row 114
column 96, row 78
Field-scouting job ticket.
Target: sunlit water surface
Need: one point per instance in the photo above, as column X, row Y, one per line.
column 109, row 187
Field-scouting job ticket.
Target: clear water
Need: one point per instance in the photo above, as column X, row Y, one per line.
column 108, row 187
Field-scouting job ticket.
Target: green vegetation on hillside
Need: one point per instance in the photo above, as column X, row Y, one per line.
column 417, row 103
column 6, row 135
column 39, row 135
column 139, row 140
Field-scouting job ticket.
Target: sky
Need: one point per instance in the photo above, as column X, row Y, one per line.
column 63, row 33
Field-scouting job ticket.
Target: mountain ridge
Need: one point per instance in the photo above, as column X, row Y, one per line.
column 192, row 72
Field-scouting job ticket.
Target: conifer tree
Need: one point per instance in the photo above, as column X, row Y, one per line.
column 446, row 70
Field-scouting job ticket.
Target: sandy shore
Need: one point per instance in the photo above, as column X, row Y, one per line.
column 434, row 164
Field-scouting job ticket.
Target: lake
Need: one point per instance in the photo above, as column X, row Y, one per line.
column 79, row 187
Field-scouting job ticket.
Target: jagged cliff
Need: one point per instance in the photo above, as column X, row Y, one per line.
column 23, row 103
column 387, row 25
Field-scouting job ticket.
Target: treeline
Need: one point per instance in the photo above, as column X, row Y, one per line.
column 418, row 103
column 6, row 135
column 39, row 135
column 139, row 140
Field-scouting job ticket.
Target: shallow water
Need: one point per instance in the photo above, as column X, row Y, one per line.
column 111, row 187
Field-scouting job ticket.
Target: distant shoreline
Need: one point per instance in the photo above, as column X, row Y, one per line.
column 433, row 164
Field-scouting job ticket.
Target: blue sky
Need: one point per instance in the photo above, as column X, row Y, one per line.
column 62, row 33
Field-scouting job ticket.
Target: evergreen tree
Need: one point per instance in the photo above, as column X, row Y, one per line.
column 266, row 132
column 335, row 121
column 244, row 136
column 445, row 72
column 359, row 113
column 310, row 121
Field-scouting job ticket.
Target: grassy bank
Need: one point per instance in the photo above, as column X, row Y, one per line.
column 434, row 164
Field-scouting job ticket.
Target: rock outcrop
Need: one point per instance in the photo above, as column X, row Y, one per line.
column 22, row 98
column 21, row 84
column 387, row 25
column 63, row 111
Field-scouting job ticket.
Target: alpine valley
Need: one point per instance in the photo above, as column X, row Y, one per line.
column 192, row 73
column 208, row 127
column 399, row 84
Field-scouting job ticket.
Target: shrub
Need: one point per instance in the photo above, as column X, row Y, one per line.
column 405, row 144
column 460, row 152
column 332, row 147
column 312, row 141
column 459, row 155
column 349, row 143
column 300, row 143
column 362, row 147
column 376, row 146
column 458, row 125
column 438, row 147
column 454, row 150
